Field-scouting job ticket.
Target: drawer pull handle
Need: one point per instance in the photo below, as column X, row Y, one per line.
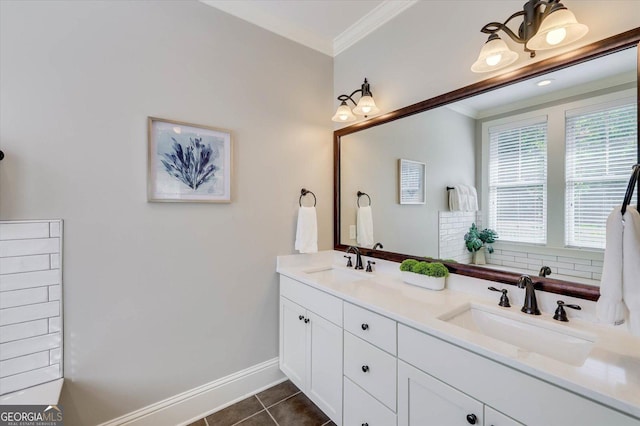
column 365, row 327
column 300, row 317
column 472, row 419
column 365, row 368
column 306, row 320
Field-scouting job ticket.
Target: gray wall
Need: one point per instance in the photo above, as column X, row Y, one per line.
column 441, row 138
column 158, row 298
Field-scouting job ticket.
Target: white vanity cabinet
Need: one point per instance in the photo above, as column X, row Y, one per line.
column 311, row 344
column 424, row 400
column 519, row 396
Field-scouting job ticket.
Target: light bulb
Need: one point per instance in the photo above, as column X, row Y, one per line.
column 366, row 109
column 343, row 117
column 556, row 36
column 493, row 59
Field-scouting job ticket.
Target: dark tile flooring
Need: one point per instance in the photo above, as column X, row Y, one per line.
column 281, row 405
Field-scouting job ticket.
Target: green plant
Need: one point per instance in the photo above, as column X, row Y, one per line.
column 431, row 269
column 407, row 265
column 476, row 239
column 437, row 269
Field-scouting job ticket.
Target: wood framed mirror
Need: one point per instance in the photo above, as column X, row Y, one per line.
column 619, row 43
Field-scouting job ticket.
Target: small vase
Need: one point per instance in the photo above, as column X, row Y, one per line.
column 424, row 281
column 479, row 257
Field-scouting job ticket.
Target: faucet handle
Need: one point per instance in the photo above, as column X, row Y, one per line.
column 504, row 300
column 369, row 268
column 561, row 314
column 349, row 264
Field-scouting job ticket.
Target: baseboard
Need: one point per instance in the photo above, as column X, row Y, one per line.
column 199, row 402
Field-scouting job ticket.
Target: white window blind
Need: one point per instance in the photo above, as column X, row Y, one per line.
column 518, row 181
column 412, row 182
column 601, row 144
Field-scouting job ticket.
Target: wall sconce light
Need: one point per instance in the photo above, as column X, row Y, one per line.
column 365, row 106
column 546, row 25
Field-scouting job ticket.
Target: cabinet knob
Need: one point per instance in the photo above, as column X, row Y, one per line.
column 300, row 317
column 365, row 424
column 365, row 326
column 365, row 368
column 472, row 419
column 306, row 320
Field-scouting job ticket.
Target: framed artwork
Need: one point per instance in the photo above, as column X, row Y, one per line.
column 188, row 162
column 411, row 182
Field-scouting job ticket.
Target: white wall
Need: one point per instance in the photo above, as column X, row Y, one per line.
column 159, row 298
column 428, row 49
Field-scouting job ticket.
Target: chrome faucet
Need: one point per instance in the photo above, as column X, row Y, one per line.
column 358, row 256
column 530, row 303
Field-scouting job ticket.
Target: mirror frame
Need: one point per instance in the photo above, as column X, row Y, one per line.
column 607, row 46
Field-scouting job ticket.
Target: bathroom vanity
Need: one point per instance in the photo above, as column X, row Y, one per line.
column 369, row 349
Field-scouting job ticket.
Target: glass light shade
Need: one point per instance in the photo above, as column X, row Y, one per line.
column 366, row 106
column 343, row 114
column 558, row 29
column 495, row 54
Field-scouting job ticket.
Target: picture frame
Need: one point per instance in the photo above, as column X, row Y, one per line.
column 412, row 182
column 188, row 162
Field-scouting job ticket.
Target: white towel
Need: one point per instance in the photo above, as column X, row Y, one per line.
column 364, row 223
column 307, row 230
column 631, row 268
column 463, row 191
column 456, row 199
column 610, row 308
column 620, row 285
column 473, row 198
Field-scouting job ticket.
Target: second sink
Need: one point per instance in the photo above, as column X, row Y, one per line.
column 532, row 334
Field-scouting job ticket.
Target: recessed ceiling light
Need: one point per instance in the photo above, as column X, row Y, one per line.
column 544, row 82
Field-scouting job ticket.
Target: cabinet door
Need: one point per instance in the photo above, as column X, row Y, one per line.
column 293, row 330
column 424, row 400
column 324, row 375
column 495, row 418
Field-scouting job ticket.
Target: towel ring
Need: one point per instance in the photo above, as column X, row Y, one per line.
column 304, row 192
column 360, row 194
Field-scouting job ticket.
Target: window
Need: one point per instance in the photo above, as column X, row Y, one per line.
column 518, row 181
column 601, row 148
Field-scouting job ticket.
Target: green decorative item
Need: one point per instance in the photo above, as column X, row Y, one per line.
column 429, row 275
column 475, row 240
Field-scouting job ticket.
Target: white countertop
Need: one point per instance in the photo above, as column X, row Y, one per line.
column 610, row 374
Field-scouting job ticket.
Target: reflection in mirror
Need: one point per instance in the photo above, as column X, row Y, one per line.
column 553, row 222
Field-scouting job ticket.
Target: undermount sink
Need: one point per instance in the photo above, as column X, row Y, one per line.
column 336, row 275
column 533, row 334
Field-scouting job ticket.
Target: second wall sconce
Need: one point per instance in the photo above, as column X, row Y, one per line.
column 546, row 24
column 365, row 106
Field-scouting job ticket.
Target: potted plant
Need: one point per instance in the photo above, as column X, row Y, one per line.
column 477, row 240
column 430, row 275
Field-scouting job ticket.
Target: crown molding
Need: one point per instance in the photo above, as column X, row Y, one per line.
column 379, row 16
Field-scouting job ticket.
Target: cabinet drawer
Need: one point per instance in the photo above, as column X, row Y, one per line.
column 495, row 418
column 319, row 302
column 373, row 328
column 361, row 408
column 371, row 368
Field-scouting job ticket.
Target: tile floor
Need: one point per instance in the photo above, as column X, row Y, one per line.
column 281, row 405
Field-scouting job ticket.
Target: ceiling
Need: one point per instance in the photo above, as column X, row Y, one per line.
column 607, row 71
column 329, row 26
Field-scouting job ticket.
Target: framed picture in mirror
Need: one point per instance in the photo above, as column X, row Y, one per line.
column 411, row 182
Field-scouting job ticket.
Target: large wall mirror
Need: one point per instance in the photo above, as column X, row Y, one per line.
column 457, row 137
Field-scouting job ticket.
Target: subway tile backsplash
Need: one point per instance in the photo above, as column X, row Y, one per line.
column 454, row 225
column 30, row 303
